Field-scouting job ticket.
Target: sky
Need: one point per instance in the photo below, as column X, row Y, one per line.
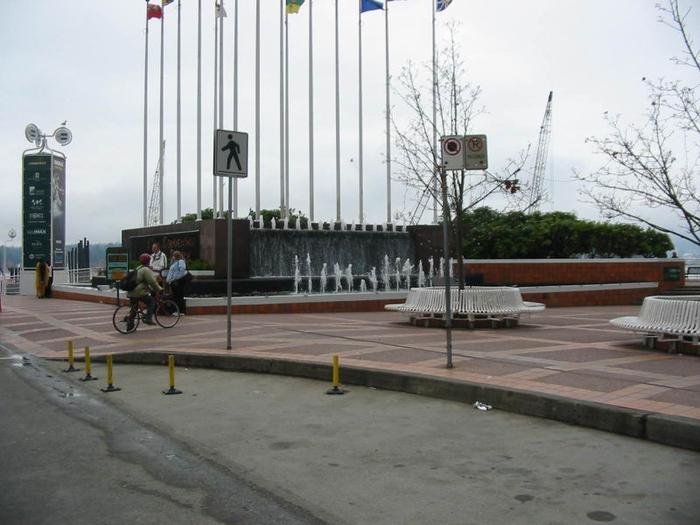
column 83, row 61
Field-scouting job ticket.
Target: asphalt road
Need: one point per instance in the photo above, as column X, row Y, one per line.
column 66, row 456
column 245, row 448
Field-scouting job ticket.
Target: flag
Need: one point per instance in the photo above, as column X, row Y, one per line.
column 220, row 10
column 293, row 6
column 441, row 5
column 370, row 5
column 153, row 11
column 166, row 2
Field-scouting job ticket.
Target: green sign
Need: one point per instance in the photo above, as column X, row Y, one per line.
column 117, row 260
column 672, row 273
column 36, row 209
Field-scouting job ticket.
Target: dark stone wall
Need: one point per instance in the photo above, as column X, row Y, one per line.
column 261, row 253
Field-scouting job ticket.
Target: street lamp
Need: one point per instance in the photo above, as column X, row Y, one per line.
column 10, row 236
column 62, row 135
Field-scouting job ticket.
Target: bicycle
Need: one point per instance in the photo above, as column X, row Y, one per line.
column 126, row 318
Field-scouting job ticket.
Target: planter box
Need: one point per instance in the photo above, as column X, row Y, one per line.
column 202, row 273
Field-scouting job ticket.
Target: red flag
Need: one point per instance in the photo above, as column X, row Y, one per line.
column 153, row 11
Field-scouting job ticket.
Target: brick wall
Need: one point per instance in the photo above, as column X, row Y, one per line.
column 576, row 271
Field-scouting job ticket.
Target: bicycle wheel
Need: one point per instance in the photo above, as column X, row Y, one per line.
column 124, row 320
column 167, row 313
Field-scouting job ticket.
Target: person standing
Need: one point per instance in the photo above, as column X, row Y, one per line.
column 41, row 278
column 145, row 283
column 159, row 261
column 49, row 280
column 177, row 279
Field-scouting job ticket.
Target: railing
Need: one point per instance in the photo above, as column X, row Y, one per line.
column 79, row 275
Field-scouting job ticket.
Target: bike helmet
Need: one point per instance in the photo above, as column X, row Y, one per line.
column 145, row 259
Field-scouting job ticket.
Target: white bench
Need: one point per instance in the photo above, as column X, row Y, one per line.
column 665, row 319
column 494, row 303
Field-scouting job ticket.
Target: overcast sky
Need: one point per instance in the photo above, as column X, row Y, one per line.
column 82, row 61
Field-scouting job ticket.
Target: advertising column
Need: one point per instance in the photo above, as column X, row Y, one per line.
column 36, row 210
column 58, row 213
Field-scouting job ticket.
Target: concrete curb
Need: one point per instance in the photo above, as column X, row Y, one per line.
column 659, row 428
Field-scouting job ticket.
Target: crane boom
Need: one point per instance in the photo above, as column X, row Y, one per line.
column 154, row 204
column 537, row 194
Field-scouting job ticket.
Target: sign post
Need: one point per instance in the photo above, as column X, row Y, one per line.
column 231, row 161
column 458, row 153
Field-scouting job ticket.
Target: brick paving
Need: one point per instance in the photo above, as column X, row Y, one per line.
column 569, row 352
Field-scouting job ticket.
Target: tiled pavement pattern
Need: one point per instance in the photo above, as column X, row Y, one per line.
column 569, row 352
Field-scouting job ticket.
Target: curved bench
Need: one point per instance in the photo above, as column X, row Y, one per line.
column 665, row 319
column 495, row 303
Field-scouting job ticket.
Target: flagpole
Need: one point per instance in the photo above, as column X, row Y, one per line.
column 221, row 98
column 311, row 113
column 337, row 120
column 282, row 205
column 145, row 129
column 435, row 180
column 199, row 109
column 286, row 110
column 235, row 95
column 179, row 189
column 359, row 40
column 216, row 90
column 161, row 167
column 257, row 109
column 388, row 114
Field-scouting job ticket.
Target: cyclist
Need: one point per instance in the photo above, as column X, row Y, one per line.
column 145, row 283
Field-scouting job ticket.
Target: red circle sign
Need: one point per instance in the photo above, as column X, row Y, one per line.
column 452, row 146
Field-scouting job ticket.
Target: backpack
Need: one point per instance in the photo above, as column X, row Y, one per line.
column 129, row 281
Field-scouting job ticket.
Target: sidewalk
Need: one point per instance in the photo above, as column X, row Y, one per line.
column 566, row 352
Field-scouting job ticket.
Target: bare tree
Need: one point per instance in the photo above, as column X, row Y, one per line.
column 654, row 166
column 457, row 102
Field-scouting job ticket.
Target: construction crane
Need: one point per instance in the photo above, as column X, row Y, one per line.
column 537, row 194
column 154, row 203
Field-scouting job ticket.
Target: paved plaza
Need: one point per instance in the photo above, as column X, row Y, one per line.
column 568, row 352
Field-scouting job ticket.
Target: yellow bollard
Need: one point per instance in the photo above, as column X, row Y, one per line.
column 88, row 366
column 171, row 372
column 110, row 385
column 71, row 359
column 336, row 390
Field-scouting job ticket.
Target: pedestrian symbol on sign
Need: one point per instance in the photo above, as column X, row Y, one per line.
column 230, row 153
column 234, row 150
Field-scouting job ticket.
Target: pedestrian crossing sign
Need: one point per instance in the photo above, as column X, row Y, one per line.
column 230, row 153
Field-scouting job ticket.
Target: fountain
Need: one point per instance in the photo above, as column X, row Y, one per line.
column 308, row 267
column 363, row 285
column 297, row 275
column 273, row 224
column 297, row 224
column 250, row 222
column 441, row 268
column 431, row 270
column 324, row 278
column 407, row 270
column 285, row 224
column 338, row 274
column 386, row 274
column 451, row 270
column 421, row 275
column 348, row 277
column 397, row 266
column 372, row 276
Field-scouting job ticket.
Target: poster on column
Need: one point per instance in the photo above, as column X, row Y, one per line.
column 58, row 212
column 36, row 209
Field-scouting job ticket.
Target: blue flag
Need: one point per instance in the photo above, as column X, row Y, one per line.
column 370, row 5
column 441, row 5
